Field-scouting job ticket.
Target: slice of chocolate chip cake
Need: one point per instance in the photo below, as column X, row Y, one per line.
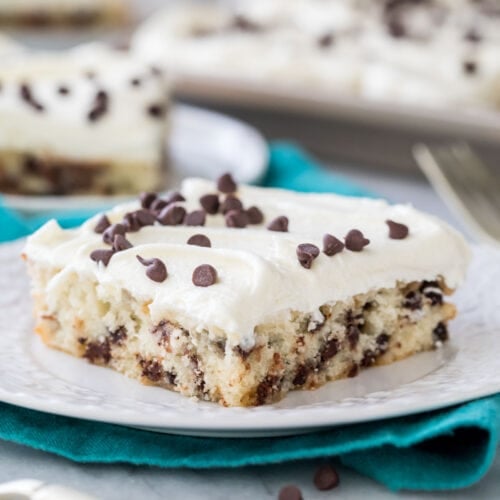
column 90, row 120
column 239, row 294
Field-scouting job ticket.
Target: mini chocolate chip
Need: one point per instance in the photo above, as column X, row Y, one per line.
column 413, row 301
column 326, row 478
column 171, row 215
column 306, row 253
column 331, row 245
column 279, row 224
column 155, row 71
column 255, row 215
column 395, row 27
column 473, row 36
column 121, row 243
column 158, row 205
column 290, row 492
column 102, row 224
column 245, row 24
column 435, row 298
column 204, row 275
column 195, row 218
column 145, row 217
column 355, row 241
column 397, row 231
column 236, row 218
column 109, row 234
column 175, row 196
column 99, row 106
column 210, row 203
column 102, row 255
column 469, row 67
column 199, row 240
column 231, row 203
column 440, row 333
column 131, row 223
column 155, row 269
column 147, row 199
column 63, row 90
column 326, row 40
column 226, row 184
column 27, row 96
column 135, row 82
column 382, row 341
column 157, row 110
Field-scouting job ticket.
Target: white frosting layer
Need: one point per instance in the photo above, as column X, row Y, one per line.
column 125, row 132
column 259, row 275
column 425, row 67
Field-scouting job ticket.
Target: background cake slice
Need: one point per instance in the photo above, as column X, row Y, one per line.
column 239, row 294
column 89, row 120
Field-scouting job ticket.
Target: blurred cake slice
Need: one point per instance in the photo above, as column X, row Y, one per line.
column 238, row 294
column 85, row 121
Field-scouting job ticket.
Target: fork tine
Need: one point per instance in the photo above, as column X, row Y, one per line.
column 465, row 183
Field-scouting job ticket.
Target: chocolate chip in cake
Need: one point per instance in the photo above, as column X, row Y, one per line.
column 195, row 218
column 152, row 369
column 199, row 240
column 382, row 341
column 118, row 336
column 329, row 350
column 63, row 90
column 255, row 215
column 271, row 384
column 435, row 298
column 102, row 255
column 210, row 203
column 102, row 224
column 156, row 110
column 155, row 269
column 352, row 336
column 27, row 96
column 109, row 234
column 353, row 371
column 231, row 203
column 326, row 40
column 204, row 275
column 236, row 219
column 397, row 231
column 171, row 215
column 326, row 478
column 355, row 240
column 306, row 253
column 301, row 375
column 242, row 353
column 368, row 358
column 147, row 199
column 290, row 492
column 226, row 183
column 98, row 351
column 440, row 332
column 99, row 107
column 332, row 245
column 469, row 67
column 121, row 243
column 279, row 224
column 413, row 301
column 175, row 196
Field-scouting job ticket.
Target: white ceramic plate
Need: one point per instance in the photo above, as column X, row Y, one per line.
column 33, row 376
column 202, row 143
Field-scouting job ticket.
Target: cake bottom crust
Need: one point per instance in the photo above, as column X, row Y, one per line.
column 295, row 351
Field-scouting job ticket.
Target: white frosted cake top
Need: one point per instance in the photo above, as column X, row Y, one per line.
column 258, row 270
column 425, row 53
column 88, row 103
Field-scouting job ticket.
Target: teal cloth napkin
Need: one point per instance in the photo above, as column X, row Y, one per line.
column 446, row 449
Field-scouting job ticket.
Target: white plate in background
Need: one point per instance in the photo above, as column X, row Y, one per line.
column 202, row 143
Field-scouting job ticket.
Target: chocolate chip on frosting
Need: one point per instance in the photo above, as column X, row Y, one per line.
column 255, row 215
column 306, row 253
column 156, row 110
column 331, row 245
column 175, row 196
column 134, row 221
column 469, row 67
column 199, row 240
column 195, row 218
column 355, row 240
column 121, row 243
column 102, row 255
column 326, row 40
column 171, row 215
column 397, row 231
column 63, row 90
column 109, row 234
column 279, row 224
column 231, row 203
column 226, row 184
column 147, row 199
column 158, row 205
column 102, row 224
column 27, row 96
column 99, row 106
column 236, row 218
column 204, row 275
column 210, row 203
column 155, row 269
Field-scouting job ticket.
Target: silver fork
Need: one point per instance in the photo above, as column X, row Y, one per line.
column 465, row 184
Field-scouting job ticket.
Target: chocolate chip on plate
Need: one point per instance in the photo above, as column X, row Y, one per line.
column 102, row 255
column 306, row 253
column 109, row 234
column 279, row 224
column 255, row 215
column 195, row 218
column 204, row 275
column 290, row 492
column 171, row 215
column 397, row 231
column 155, row 269
column 331, row 245
column 355, row 240
column 226, row 184
column 236, row 218
column 102, row 224
column 210, row 203
column 199, row 240
column 326, row 478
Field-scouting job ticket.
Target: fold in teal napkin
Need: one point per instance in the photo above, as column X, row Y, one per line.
column 446, row 449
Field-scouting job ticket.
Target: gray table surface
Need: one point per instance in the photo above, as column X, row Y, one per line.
column 129, row 482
